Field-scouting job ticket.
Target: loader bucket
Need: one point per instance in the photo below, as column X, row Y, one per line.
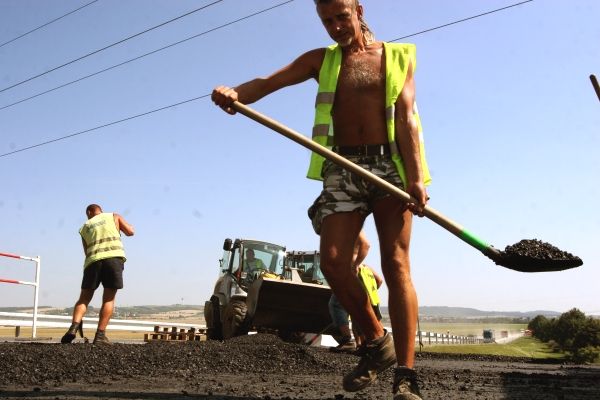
column 289, row 306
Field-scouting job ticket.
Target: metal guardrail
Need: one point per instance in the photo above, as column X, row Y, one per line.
column 35, row 284
column 64, row 321
column 428, row 338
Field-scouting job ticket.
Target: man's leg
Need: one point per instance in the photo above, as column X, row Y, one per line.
column 108, row 305
column 338, row 236
column 394, row 224
column 78, row 312
column 81, row 306
column 341, row 320
column 106, row 311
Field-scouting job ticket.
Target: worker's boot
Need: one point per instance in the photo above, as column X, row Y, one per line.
column 101, row 338
column 406, row 386
column 347, row 345
column 72, row 332
column 377, row 356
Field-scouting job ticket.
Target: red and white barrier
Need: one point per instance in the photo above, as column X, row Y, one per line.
column 35, row 284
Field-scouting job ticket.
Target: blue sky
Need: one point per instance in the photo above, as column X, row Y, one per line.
column 510, row 122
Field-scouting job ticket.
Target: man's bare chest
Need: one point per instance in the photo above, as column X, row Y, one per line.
column 364, row 72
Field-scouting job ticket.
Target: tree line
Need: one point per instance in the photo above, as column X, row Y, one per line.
column 573, row 333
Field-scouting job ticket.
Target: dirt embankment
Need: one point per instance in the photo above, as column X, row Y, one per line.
column 264, row 367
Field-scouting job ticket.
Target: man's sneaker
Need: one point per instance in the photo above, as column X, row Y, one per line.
column 101, row 338
column 406, row 386
column 349, row 346
column 378, row 356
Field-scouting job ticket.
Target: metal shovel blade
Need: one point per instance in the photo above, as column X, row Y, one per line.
column 536, row 256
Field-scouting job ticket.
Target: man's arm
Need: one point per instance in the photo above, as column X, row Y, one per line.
column 84, row 247
column 303, row 68
column 123, row 225
column 361, row 249
column 407, row 137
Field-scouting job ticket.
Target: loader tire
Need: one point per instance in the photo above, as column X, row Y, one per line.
column 234, row 319
column 212, row 315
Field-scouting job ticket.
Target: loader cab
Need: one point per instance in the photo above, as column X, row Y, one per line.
column 308, row 265
column 248, row 259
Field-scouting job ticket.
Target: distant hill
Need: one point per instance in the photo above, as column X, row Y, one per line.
column 439, row 312
column 463, row 312
column 24, row 309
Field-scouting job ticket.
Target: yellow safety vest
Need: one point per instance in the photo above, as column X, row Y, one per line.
column 255, row 264
column 397, row 59
column 366, row 277
column 102, row 239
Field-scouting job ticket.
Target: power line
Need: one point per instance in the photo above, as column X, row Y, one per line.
column 109, row 46
column 103, row 126
column 206, row 95
column 461, row 20
column 47, row 23
column 227, row 24
column 145, row 55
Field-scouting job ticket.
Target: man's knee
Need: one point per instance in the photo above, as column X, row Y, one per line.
column 85, row 296
column 336, row 266
column 396, row 270
column 109, row 295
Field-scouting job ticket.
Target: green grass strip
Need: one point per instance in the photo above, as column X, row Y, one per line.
column 522, row 347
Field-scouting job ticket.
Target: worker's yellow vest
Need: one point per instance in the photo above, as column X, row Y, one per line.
column 102, row 239
column 366, row 277
column 257, row 264
column 398, row 56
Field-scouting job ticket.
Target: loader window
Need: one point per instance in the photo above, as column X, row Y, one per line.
column 308, row 265
column 225, row 262
column 266, row 258
column 261, row 256
column 235, row 265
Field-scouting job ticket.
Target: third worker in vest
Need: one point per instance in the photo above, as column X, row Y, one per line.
column 365, row 111
column 252, row 264
column 104, row 263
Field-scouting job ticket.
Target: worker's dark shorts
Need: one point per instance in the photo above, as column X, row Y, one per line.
column 109, row 272
column 344, row 191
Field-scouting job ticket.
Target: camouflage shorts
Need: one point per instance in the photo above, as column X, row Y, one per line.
column 344, row 191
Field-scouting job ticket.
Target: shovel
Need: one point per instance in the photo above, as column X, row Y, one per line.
column 525, row 256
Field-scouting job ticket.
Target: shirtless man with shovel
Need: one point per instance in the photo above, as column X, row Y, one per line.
column 367, row 94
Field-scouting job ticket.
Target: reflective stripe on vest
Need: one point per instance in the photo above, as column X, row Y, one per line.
column 366, row 277
column 102, row 239
column 397, row 59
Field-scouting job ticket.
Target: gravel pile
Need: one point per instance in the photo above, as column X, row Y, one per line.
column 38, row 363
column 264, row 367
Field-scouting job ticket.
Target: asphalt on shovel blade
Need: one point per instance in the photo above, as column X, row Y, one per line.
column 532, row 255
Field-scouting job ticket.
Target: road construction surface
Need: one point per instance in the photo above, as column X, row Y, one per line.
column 263, row 367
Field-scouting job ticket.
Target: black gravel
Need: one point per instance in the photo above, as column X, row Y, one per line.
column 36, row 363
column 532, row 255
column 539, row 250
column 263, row 367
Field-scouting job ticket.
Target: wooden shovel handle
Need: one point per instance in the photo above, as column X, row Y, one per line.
column 428, row 211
